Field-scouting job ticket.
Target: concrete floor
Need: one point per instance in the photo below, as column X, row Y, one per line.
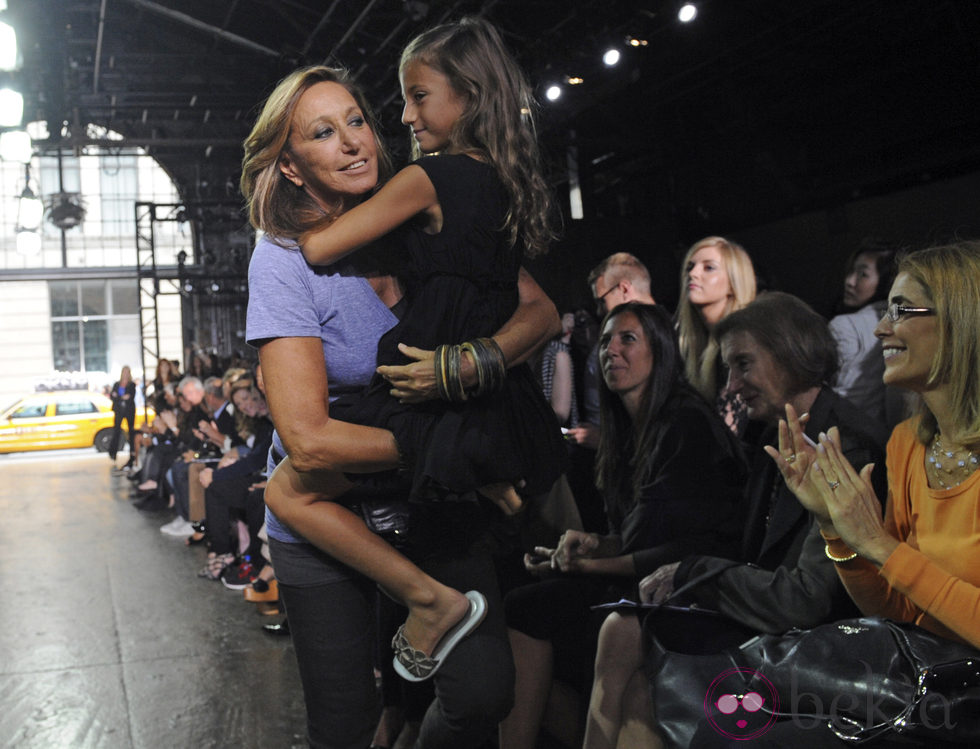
column 109, row 640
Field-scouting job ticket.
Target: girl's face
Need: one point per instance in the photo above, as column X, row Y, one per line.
column 707, row 278
column 625, row 357
column 432, row 107
column 249, row 402
column 862, row 282
column 331, row 152
column 909, row 345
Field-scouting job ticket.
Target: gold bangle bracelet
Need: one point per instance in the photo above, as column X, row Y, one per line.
column 838, row 560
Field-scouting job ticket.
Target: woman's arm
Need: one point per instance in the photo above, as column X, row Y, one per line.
column 561, row 386
column 534, row 322
column 296, row 389
column 407, row 193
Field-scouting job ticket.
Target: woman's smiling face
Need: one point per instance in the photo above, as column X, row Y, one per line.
column 909, row 345
column 331, row 152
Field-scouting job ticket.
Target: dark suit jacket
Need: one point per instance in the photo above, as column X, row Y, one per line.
column 784, row 579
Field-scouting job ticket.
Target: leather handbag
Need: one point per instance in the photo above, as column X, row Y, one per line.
column 860, row 679
column 388, row 518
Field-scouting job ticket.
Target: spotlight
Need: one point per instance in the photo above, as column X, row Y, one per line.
column 215, row 287
column 15, row 145
column 687, row 13
column 553, row 93
column 574, row 80
column 634, row 42
column 8, row 47
column 188, row 287
column 611, row 57
column 11, row 108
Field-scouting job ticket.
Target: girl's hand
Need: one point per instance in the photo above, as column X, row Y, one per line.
column 206, row 477
column 540, row 563
column 795, row 459
column 851, row 502
column 415, row 382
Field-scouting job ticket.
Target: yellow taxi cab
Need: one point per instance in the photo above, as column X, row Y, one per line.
column 62, row 418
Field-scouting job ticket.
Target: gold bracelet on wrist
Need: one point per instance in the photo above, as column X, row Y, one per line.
column 838, row 560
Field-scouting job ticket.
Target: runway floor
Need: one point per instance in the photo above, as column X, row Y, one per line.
column 109, row 640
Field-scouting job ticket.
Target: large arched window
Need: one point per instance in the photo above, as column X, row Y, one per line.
column 104, row 182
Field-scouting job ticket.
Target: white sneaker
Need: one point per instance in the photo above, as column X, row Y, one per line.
column 178, row 527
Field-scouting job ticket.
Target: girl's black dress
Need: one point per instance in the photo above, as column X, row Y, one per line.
column 462, row 284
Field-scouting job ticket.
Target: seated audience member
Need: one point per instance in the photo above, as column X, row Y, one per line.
column 671, row 475
column 619, row 278
column 870, row 271
column 229, row 487
column 717, row 278
column 763, row 594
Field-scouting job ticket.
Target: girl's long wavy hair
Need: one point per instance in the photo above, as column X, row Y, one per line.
column 698, row 345
column 626, row 450
column 950, row 276
column 275, row 205
column 497, row 123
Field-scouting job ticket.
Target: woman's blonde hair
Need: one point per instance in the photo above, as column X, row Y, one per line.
column 699, row 347
column 275, row 205
column 950, row 276
column 497, row 123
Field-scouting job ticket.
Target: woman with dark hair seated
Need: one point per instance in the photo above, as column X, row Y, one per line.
column 671, row 475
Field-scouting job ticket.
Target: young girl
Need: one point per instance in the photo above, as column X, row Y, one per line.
column 469, row 215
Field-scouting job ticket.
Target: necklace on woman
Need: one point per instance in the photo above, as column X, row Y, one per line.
column 950, row 467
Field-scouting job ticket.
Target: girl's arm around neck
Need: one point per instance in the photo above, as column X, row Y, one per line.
column 407, row 193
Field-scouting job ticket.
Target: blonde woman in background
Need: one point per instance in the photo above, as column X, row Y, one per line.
column 717, row 278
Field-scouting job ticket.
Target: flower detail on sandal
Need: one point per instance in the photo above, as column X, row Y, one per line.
column 414, row 665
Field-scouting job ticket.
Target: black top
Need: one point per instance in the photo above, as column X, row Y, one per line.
column 462, row 284
column 120, row 403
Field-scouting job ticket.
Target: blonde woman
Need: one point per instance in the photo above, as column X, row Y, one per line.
column 717, row 278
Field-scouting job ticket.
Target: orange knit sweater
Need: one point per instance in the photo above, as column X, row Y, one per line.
column 933, row 577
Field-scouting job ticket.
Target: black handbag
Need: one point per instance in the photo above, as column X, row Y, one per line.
column 859, row 679
column 388, row 518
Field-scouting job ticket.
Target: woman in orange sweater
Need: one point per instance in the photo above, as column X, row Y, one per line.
column 921, row 563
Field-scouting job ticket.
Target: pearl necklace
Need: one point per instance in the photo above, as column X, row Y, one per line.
column 951, row 467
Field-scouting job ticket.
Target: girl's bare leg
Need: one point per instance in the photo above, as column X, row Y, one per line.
column 638, row 727
column 618, row 660
column 533, row 663
column 300, row 501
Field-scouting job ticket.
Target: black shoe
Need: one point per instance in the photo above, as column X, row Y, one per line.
column 280, row 629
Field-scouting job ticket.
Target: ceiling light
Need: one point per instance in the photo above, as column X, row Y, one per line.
column 574, row 80
column 8, row 47
column 15, row 145
column 30, row 209
column 611, row 57
column 553, row 93
column 687, row 13
column 11, row 108
column 634, row 42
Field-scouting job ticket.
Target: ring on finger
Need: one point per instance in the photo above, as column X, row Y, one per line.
column 833, row 485
column 791, row 459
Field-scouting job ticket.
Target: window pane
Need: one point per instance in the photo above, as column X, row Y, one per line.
column 64, row 298
column 96, row 346
column 125, row 297
column 93, row 297
column 65, row 344
column 65, row 408
column 30, row 412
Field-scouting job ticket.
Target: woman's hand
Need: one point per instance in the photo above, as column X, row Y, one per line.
column 850, row 501
column 415, row 382
column 795, row 459
column 573, row 547
column 659, row 584
column 206, row 477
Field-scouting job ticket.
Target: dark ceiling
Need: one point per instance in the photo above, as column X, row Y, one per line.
column 757, row 110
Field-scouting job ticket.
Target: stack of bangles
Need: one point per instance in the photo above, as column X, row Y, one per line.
column 491, row 369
